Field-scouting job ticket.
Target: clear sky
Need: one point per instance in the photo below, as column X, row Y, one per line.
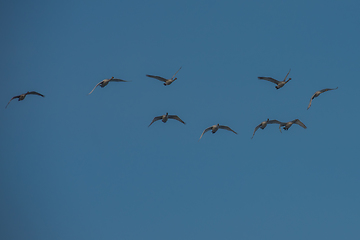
column 79, row 166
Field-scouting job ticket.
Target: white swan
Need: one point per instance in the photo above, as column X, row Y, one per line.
column 262, row 125
column 279, row 84
column 316, row 94
column 165, row 117
column 216, row 127
column 105, row 82
column 22, row 96
column 166, row 81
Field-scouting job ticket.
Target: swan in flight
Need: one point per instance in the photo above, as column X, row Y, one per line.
column 279, row 84
column 22, row 96
column 287, row 125
column 263, row 124
column 316, row 94
column 165, row 117
column 105, row 82
column 216, row 127
column 166, row 81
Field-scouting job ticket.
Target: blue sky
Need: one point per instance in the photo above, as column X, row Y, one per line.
column 78, row 166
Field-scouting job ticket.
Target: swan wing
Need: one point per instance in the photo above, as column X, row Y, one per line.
column 176, row 118
column 157, row 77
column 270, row 79
column 155, row 119
column 118, row 80
column 275, row 121
column 94, row 88
column 313, row 96
column 298, row 122
column 256, row 128
column 12, row 99
column 227, row 128
column 35, row 93
column 287, row 75
column 207, row 129
column 327, row 89
column 176, row 73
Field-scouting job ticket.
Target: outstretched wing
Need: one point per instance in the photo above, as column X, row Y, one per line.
column 35, row 93
column 94, row 88
column 275, row 121
column 256, row 128
column 270, row 79
column 287, row 75
column 12, row 99
column 207, row 129
column 155, row 119
column 176, row 73
column 328, row 89
column 298, row 122
column 319, row 92
column 312, row 97
column 117, row 80
column 226, row 128
column 176, row 118
column 157, row 77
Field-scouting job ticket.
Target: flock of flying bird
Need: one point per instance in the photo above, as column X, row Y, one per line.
column 214, row 128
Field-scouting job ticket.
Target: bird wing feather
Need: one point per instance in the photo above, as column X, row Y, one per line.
column 155, row 119
column 35, row 93
column 270, row 79
column 207, row 129
column 298, row 122
column 256, row 128
column 327, row 89
column 157, row 77
column 176, row 118
column 275, row 121
column 12, row 99
column 176, row 73
column 312, row 97
column 287, row 75
column 118, row 80
column 94, row 88
column 227, row 128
